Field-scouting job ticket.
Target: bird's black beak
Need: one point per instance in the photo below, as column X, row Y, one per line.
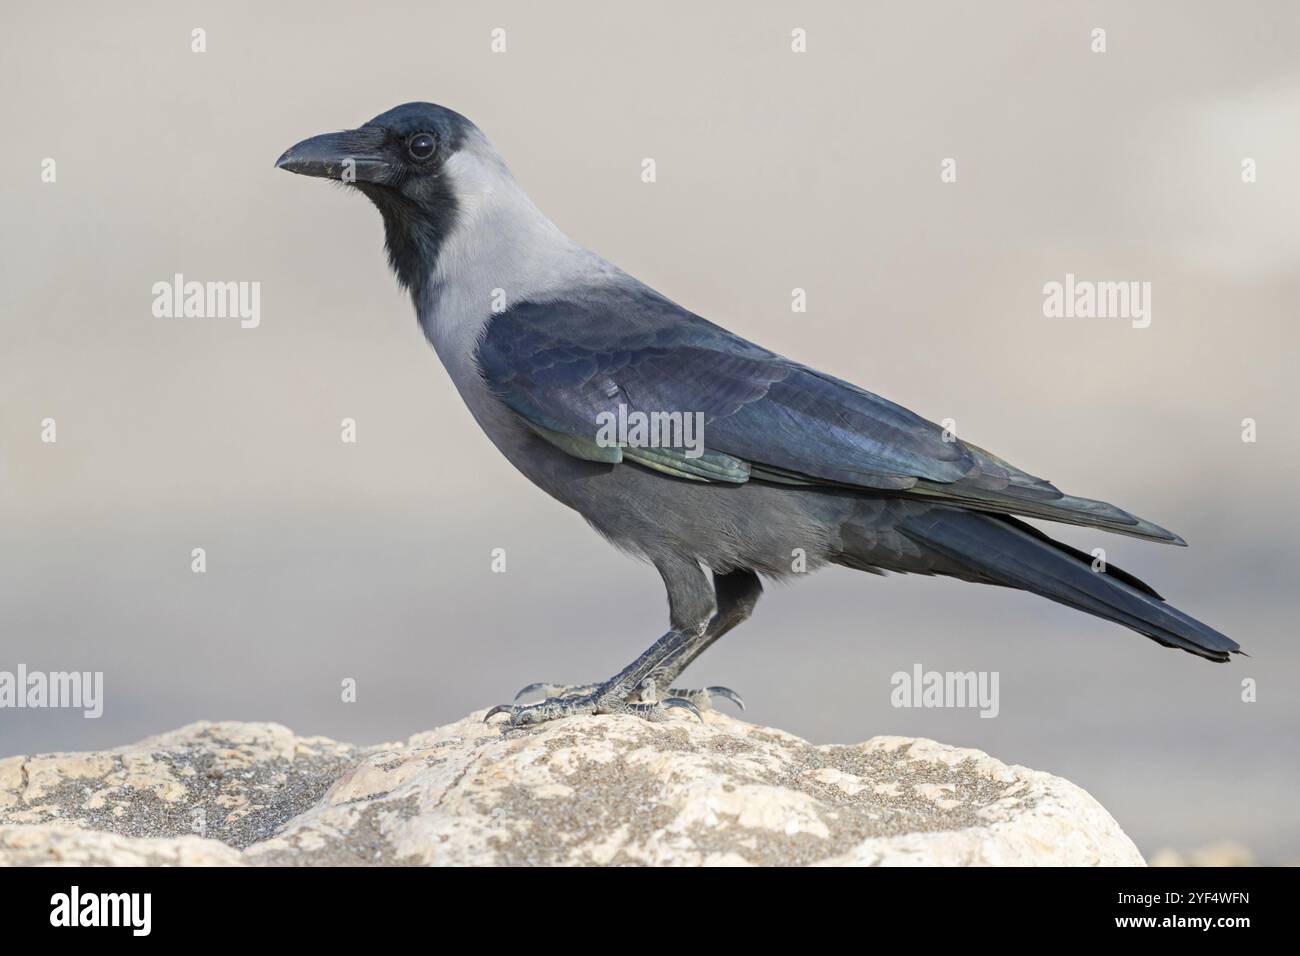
column 351, row 156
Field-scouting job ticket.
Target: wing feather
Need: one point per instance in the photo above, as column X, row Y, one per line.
column 563, row 364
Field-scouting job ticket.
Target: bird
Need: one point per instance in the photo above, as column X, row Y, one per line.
column 791, row 470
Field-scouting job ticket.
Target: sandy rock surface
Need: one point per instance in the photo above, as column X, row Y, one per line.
column 591, row 790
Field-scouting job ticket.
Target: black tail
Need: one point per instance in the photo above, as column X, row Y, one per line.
column 1005, row 551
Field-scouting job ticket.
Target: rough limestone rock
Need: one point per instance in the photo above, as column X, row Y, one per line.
column 590, row 790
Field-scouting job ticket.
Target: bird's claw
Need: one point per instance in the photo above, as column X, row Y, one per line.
column 728, row 693
column 703, row 697
column 655, row 711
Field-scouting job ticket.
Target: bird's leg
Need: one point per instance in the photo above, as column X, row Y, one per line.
column 736, row 594
column 691, row 605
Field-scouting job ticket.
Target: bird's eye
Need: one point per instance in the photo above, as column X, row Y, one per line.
column 421, row 146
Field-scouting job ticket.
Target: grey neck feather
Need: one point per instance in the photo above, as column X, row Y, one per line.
column 501, row 250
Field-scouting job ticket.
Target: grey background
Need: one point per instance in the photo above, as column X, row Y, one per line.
column 775, row 170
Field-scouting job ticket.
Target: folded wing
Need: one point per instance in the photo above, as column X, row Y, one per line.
column 565, row 365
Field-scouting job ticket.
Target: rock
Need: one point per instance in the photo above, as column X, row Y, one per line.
column 28, row 845
column 592, row 790
column 233, row 782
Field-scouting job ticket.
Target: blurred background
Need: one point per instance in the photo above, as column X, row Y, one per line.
column 776, row 170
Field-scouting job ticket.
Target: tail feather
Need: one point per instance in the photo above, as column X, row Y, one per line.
column 1063, row 509
column 1009, row 552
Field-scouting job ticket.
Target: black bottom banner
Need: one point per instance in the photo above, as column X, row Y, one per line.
column 337, row 905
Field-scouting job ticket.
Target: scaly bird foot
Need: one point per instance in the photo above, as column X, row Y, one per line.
column 605, row 699
column 702, row 698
